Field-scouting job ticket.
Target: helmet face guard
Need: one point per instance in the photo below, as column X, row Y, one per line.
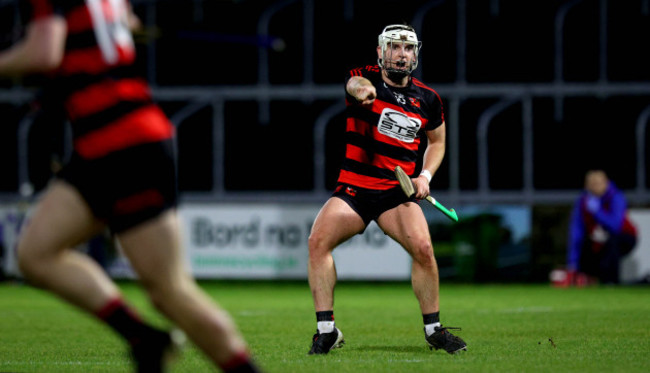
column 395, row 37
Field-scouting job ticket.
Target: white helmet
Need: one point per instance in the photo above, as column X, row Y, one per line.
column 398, row 34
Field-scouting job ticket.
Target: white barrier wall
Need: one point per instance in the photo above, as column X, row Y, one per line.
column 270, row 241
column 250, row 241
column 636, row 266
column 267, row 241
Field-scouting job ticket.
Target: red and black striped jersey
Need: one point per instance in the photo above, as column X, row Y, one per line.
column 108, row 104
column 388, row 133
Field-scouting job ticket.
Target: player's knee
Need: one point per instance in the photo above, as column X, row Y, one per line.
column 318, row 244
column 423, row 253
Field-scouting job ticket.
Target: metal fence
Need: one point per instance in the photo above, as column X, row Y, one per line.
column 505, row 96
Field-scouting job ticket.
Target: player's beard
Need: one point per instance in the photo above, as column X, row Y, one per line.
column 396, row 75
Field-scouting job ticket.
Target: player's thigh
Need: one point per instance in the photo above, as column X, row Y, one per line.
column 60, row 220
column 154, row 249
column 407, row 225
column 335, row 223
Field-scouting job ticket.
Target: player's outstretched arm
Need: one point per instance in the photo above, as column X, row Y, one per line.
column 361, row 89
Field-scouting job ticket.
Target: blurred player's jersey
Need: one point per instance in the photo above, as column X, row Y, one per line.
column 388, row 133
column 109, row 106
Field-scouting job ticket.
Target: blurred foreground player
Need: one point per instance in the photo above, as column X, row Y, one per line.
column 387, row 113
column 121, row 176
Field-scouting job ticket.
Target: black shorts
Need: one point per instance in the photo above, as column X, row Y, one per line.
column 369, row 203
column 129, row 186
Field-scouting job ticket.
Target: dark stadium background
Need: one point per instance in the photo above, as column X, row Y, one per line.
column 210, row 43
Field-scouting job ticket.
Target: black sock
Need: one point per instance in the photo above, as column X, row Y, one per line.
column 431, row 318
column 124, row 321
column 240, row 363
column 325, row 316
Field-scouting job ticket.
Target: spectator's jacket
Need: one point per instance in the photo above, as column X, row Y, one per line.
column 593, row 230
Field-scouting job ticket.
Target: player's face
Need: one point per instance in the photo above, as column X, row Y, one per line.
column 399, row 55
column 596, row 183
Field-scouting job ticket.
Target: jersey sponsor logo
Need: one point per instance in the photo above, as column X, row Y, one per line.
column 398, row 125
column 414, row 101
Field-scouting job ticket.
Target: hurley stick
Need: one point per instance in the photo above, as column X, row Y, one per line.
column 409, row 189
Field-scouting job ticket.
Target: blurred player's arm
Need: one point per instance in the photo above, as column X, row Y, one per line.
column 433, row 156
column 361, row 89
column 612, row 219
column 135, row 24
column 40, row 50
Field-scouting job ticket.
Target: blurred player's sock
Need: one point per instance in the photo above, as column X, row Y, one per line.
column 124, row 320
column 150, row 347
column 431, row 322
column 325, row 321
column 151, row 353
column 240, row 363
column 325, row 326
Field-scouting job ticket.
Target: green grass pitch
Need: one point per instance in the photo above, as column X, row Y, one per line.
column 508, row 328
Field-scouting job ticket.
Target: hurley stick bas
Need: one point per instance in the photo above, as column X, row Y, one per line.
column 409, row 189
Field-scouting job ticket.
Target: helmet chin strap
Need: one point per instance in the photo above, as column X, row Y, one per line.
column 396, row 75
